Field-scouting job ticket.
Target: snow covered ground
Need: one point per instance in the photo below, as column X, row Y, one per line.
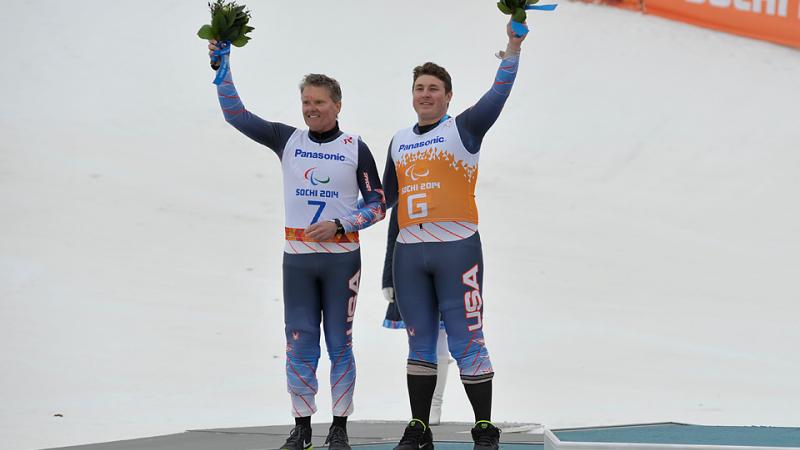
column 638, row 202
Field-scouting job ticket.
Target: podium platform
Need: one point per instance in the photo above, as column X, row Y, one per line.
column 364, row 435
column 383, row 435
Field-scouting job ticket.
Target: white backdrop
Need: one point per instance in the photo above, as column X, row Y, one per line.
column 638, row 202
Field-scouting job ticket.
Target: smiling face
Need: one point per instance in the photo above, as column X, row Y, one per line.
column 430, row 99
column 319, row 109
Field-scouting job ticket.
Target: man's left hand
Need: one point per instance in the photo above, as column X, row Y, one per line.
column 514, row 41
column 321, row 231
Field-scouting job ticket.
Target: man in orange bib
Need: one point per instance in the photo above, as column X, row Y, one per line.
column 434, row 262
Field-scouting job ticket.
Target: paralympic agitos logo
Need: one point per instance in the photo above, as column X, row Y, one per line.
column 309, row 175
column 414, row 174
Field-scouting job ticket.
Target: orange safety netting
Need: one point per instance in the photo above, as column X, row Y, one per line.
column 637, row 5
column 771, row 20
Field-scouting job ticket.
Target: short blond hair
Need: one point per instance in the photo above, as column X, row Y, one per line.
column 320, row 80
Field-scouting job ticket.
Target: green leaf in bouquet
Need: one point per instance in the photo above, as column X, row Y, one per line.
column 503, row 8
column 230, row 18
column 228, row 34
column 205, row 32
column 241, row 41
column 238, row 28
column 532, row 2
column 519, row 15
column 217, row 24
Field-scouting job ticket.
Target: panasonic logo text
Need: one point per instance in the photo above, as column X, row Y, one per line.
column 428, row 143
column 298, row 153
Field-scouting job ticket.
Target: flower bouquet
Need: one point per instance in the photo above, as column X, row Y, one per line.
column 229, row 26
column 517, row 9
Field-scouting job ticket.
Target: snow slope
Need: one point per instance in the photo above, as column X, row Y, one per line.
column 638, row 202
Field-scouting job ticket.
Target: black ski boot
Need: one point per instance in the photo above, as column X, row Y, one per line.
column 417, row 436
column 337, row 439
column 299, row 439
column 486, row 436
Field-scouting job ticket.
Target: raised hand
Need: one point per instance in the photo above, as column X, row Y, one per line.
column 214, row 47
column 514, row 40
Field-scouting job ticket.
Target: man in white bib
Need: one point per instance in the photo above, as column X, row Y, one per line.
column 324, row 171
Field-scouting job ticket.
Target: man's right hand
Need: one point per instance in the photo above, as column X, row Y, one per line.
column 388, row 294
column 212, row 47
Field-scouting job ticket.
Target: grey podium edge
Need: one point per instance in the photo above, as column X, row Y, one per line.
column 272, row 437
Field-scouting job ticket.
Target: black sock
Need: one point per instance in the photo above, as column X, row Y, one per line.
column 305, row 421
column 420, row 394
column 340, row 422
column 480, row 395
